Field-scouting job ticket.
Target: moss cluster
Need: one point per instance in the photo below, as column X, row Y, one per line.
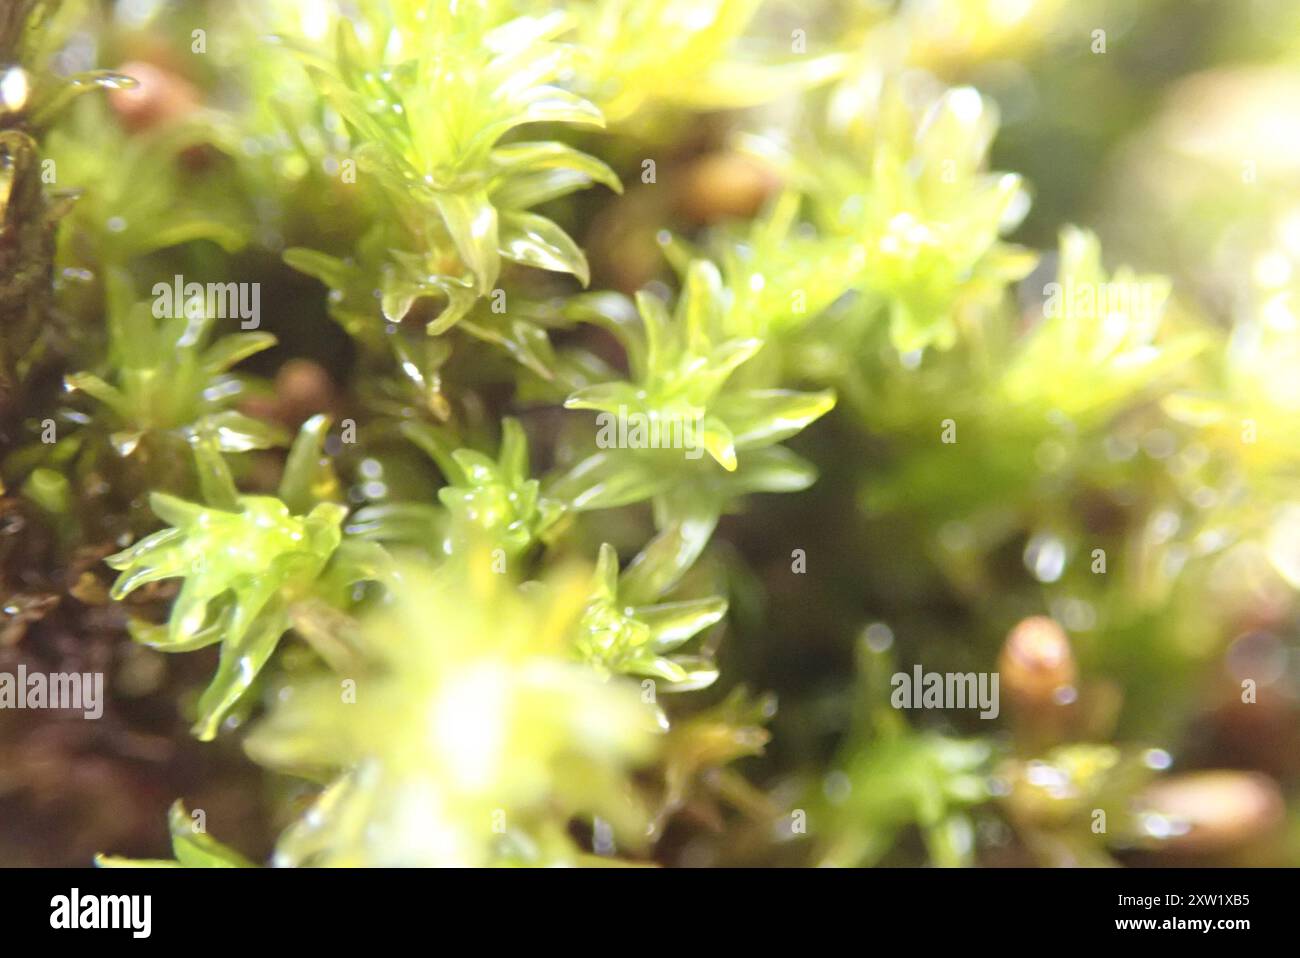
column 527, row 312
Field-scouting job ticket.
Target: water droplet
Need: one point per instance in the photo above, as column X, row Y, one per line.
column 1043, row 775
column 1157, row 826
column 14, row 89
column 1157, row 758
column 1261, row 656
column 1164, row 524
column 114, row 81
column 1045, row 557
column 878, row 636
column 966, row 104
column 836, row 787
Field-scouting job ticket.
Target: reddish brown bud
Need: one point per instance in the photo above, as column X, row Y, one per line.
column 725, row 186
column 302, row 389
column 1037, row 665
column 160, row 97
column 1212, row 811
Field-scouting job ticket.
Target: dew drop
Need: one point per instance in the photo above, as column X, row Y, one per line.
column 14, row 89
column 1157, row 758
column 836, row 787
column 878, row 636
column 1045, row 557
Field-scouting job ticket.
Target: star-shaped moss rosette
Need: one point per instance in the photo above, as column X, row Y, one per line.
column 921, row 780
column 171, row 379
column 1052, row 800
column 427, row 117
column 490, row 502
column 890, row 778
column 643, row 56
column 907, row 186
column 1078, row 377
column 699, row 750
column 191, row 846
column 681, row 403
column 779, row 272
column 627, row 629
column 1246, row 403
column 115, row 220
column 243, row 570
column 473, row 737
column 382, row 279
column 1103, row 340
column 1241, row 413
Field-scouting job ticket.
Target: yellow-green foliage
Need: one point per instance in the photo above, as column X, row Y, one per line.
column 521, row 512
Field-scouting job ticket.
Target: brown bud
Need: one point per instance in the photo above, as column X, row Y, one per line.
column 725, row 185
column 1037, row 665
column 302, row 389
column 1213, row 811
column 160, row 96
